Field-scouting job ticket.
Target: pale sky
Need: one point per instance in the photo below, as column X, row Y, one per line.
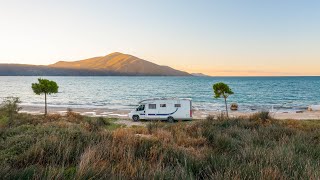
column 222, row 37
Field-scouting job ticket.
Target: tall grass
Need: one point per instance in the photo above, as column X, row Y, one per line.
column 77, row 147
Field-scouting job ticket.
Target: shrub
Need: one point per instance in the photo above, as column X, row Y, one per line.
column 103, row 122
column 94, row 124
column 10, row 108
column 73, row 116
column 263, row 116
column 3, row 121
column 52, row 117
column 210, row 117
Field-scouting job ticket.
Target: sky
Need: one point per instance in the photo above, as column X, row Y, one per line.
column 215, row 37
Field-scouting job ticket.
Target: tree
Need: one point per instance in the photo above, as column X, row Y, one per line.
column 222, row 90
column 45, row 87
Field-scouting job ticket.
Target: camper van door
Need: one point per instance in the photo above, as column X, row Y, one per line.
column 141, row 110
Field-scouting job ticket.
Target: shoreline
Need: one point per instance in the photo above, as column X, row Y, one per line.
column 197, row 114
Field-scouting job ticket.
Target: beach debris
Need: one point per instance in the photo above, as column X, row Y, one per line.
column 299, row 111
column 234, row 106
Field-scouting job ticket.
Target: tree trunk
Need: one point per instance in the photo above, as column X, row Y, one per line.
column 225, row 101
column 45, row 102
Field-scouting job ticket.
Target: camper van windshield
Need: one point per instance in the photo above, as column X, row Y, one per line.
column 140, row 108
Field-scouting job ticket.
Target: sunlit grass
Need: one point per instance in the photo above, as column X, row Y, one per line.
column 78, row 147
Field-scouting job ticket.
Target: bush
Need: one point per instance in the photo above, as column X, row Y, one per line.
column 10, row 108
column 103, row 122
column 263, row 116
column 73, row 116
column 52, row 117
column 3, row 121
column 210, row 118
column 94, row 124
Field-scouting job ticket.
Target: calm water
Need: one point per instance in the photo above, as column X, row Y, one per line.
column 284, row 93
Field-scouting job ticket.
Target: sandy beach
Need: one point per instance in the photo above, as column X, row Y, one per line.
column 198, row 114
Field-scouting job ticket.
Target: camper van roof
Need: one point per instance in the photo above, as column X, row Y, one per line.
column 165, row 99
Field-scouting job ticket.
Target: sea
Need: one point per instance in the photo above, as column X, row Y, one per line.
column 125, row 92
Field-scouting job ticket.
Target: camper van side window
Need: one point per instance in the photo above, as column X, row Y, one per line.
column 163, row 105
column 177, row 105
column 152, row 106
column 140, row 108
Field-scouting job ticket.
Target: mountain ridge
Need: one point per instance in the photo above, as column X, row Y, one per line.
column 114, row 64
column 122, row 63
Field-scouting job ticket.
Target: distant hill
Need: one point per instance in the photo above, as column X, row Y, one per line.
column 121, row 63
column 115, row 64
column 199, row 74
column 32, row 70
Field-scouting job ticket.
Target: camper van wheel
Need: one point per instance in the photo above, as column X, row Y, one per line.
column 135, row 118
column 170, row 119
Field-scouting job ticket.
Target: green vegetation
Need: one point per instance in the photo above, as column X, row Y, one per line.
column 222, row 90
column 45, row 87
column 77, row 147
column 9, row 110
column 112, row 125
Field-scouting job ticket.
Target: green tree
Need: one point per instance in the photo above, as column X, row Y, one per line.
column 222, row 90
column 45, row 87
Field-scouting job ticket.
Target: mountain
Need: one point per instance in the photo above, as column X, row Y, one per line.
column 121, row 63
column 114, row 64
column 199, row 75
column 32, row 70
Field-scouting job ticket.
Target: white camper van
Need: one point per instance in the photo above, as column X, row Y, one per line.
column 163, row 109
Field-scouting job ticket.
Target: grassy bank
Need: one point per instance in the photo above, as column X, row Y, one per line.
column 77, row 147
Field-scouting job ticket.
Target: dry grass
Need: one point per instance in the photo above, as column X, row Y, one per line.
column 77, row 147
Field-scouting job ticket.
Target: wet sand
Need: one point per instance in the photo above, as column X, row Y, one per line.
column 123, row 114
